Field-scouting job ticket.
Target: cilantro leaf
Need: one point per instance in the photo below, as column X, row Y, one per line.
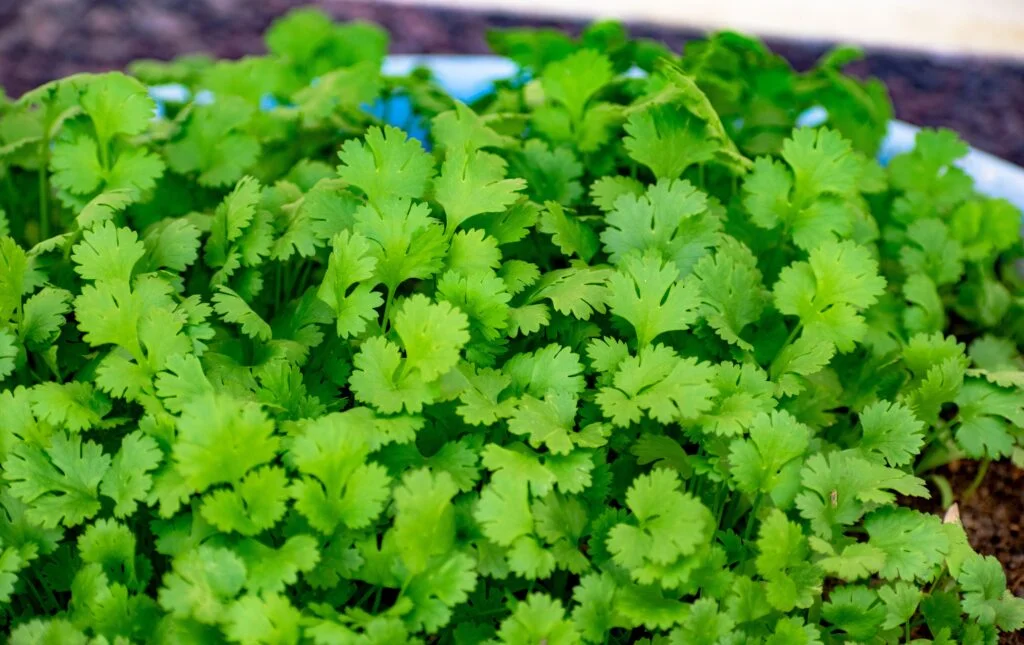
column 764, row 463
column 659, row 382
column 59, row 482
column 912, row 542
column 782, row 562
column 828, row 291
column 407, row 243
column 986, row 598
column 668, row 525
column 892, row 431
column 646, row 292
column 731, row 289
column 671, row 219
column 386, row 164
column 337, row 485
column 668, row 140
column 344, row 288
column 472, row 183
column 220, row 438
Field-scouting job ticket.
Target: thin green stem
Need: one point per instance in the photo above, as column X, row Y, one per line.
column 789, row 341
column 752, row 517
column 376, row 600
column 366, row 596
column 104, row 153
column 300, row 283
column 44, row 194
column 36, row 596
column 720, row 503
column 385, row 320
column 287, row 280
column 978, row 478
column 278, row 286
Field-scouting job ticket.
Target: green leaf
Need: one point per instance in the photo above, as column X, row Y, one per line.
column 856, row 611
column 574, row 80
column 269, row 570
column 659, row 382
column 901, row 600
column 913, row 542
column 594, row 614
column 668, row 140
column 43, row 316
column 266, row 619
column 202, row 584
column 464, row 129
column 108, row 253
column 570, row 234
column 432, row 335
column 743, row 393
column 60, row 482
column 220, row 439
column 647, row 293
column 472, row 183
column 765, row 463
column 216, row 145
column 731, row 290
column 667, row 525
column 985, row 227
column 407, row 243
column 386, row 164
column 233, row 308
column 986, row 598
column 891, row 431
column 344, row 288
column 253, row 505
column 852, row 562
column 117, row 104
column 828, row 291
column 503, row 510
column 841, row 487
column 990, row 418
column 670, row 219
column 337, row 486
column 705, row 624
column 539, row 618
column 172, row 244
column 425, row 518
column 792, row 581
column 128, row 481
column 548, row 422
column 550, row 175
column 8, row 354
column 932, row 252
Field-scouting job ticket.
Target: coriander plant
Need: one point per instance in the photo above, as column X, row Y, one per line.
column 606, row 358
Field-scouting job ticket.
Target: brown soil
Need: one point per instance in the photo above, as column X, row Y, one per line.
column 993, row 518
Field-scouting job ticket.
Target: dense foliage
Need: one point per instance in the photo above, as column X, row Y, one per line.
column 609, row 357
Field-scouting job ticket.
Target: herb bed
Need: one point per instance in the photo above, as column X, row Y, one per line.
column 611, row 358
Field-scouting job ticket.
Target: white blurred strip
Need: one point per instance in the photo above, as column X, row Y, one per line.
column 992, row 27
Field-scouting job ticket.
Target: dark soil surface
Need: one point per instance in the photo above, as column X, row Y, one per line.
column 993, row 518
column 982, row 99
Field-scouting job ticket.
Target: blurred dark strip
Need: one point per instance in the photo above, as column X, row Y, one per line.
column 40, row 40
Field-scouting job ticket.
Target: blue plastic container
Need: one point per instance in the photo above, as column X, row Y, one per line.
column 469, row 77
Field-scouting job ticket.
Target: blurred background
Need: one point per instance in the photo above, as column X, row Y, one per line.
column 952, row 63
